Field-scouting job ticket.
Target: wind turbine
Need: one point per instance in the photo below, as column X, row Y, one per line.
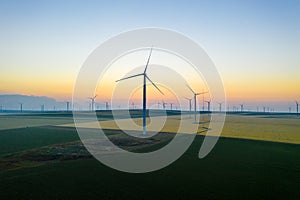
column 297, row 107
column 171, row 104
column 93, row 102
column 158, row 104
column 190, row 103
column 106, row 105
column 242, row 107
column 68, row 105
column 190, row 106
column 132, row 104
column 195, row 102
column 145, row 77
column 164, row 104
column 21, row 107
column 220, row 106
column 208, row 105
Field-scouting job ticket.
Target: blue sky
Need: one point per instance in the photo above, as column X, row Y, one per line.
column 251, row 42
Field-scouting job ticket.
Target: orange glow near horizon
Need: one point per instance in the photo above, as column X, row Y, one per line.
column 236, row 90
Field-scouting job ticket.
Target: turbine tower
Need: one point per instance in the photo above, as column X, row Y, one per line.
column 195, row 102
column 106, row 105
column 220, row 106
column 171, row 104
column 68, row 105
column 164, row 104
column 208, row 105
column 158, row 104
column 93, row 102
column 242, row 107
column 21, row 107
column 132, row 104
column 297, row 107
column 145, row 78
column 190, row 103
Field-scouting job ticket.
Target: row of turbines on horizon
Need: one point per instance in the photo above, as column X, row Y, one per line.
column 166, row 106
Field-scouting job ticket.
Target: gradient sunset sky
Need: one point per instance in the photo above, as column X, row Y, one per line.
column 255, row 45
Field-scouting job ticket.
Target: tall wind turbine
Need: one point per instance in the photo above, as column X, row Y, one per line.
column 93, row 102
column 145, row 77
column 195, row 101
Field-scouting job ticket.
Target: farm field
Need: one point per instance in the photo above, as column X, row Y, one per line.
column 46, row 160
column 256, row 127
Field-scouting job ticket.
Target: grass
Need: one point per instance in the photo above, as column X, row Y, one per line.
column 235, row 169
column 15, row 140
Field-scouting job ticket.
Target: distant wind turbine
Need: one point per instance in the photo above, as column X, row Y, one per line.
column 297, row 107
column 220, row 106
column 132, row 104
column 21, row 107
column 208, row 105
column 158, row 104
column 145, row 77
column 190, row 103
column 195, row 101
column 106, row 105
column 171, row 104
column 164, row 104
column 68, row 105
column 242, row 107
column 93, row 102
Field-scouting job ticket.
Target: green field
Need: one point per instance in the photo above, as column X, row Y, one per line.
column 32, row 165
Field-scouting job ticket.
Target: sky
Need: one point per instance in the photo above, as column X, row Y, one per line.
column 255, row 45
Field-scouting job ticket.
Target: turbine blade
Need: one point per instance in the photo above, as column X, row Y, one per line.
column 201, row 93
column 148, row 60
column 129, row 77
column 190, row 89
column 155, row 85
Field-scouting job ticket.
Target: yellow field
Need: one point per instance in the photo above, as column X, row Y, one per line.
column 269, row 129
column 12, row 122
column 247, row 127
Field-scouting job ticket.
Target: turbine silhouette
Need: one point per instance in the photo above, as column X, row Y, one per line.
column 195, row 101
column 93, row 102
column 145, row 78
